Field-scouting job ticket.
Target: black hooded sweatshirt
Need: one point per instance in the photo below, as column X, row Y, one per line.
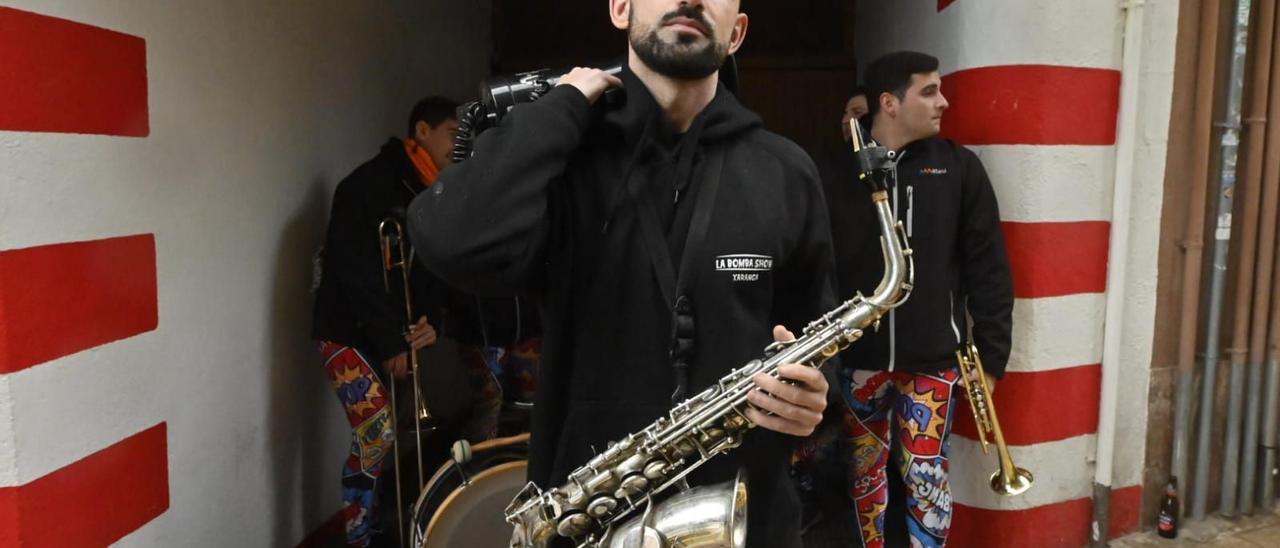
column 353, row 306
column 565, row 202
column 948, row 207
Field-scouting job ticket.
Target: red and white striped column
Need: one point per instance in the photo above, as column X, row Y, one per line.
column 1034, row 89
column 83, row 454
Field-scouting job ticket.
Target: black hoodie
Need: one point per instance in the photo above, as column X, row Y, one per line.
column 542, row 209
column 945, row 200
column 353, row 306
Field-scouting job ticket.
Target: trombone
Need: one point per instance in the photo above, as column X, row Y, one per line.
column 391, row 242
column 1008, row 480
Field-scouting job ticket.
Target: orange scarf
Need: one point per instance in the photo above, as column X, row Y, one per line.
column 422, row 162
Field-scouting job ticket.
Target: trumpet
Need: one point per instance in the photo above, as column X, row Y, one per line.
column 1008, row 480
column 391, row 241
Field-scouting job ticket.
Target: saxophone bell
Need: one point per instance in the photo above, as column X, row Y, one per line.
column 713, row 516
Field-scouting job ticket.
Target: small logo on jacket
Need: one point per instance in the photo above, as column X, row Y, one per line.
column 744, row 267
column 933, row 171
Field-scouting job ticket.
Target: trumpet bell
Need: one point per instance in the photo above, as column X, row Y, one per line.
column 424, row 415
column 1017, row 485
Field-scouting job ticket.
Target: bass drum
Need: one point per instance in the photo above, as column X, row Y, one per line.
column 463, row 503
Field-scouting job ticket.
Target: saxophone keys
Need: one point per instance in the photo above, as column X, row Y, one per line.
column 684, row 448
column 633, row 485
column 573, row 525
column 736, row 422
column 711, row 435
column 602, row 506
column 774, row 348
column 655, row 470
column 601, row 482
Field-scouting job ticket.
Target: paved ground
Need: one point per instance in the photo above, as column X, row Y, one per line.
column 1250, row 532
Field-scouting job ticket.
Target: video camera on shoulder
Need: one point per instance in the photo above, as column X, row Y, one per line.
column 500, row 94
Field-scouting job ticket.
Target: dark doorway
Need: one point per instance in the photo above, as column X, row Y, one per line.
column 797, row 65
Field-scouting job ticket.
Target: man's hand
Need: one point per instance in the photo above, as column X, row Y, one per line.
column 591, row 82
column 973, row 378
column 398, row 366
column 796, row 406
column 421, row 334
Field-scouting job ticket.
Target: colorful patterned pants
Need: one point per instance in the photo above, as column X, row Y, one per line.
column 368, row 408
column 915, row 409
column 496, row 373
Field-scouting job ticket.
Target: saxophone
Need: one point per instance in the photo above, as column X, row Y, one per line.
column 616, row 485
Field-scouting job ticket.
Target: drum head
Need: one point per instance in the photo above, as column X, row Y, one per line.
column 472, row 515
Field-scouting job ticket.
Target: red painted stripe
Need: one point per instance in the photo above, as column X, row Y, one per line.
column 8, row 517
column 328, row 533
column 94, row 501
column 67, row 77
column 60, row 299
column 1032, row 105
column 1053, row 259
column 1020, row 403
column 1060, row 525
column 942, row 4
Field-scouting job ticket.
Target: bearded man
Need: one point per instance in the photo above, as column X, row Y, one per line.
column 668, row 237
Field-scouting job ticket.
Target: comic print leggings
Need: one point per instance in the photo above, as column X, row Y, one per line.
column 914, row 408
column 368, row 408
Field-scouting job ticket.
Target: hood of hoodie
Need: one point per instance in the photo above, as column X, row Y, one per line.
column 639, row 118
column 639, row 123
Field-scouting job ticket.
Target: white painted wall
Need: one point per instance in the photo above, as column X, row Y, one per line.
column 1154, row 114
column 8, row 446
column 257, row 110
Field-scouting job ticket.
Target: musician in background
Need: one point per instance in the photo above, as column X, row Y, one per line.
column 669, row 239
column 358, row 323
column 854, row 108
column 817, row 464
column 906, row 372
column 499, row 346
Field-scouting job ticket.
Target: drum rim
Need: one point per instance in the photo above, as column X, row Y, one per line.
column 496, row 442
column 491, row 471
column 449, row 464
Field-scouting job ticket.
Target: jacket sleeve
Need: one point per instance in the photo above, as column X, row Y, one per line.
column 484, row 225
column 986, row 277
column 357, row 263
column 808, row 286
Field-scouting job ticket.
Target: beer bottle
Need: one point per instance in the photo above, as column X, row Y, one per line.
column 1167, row 527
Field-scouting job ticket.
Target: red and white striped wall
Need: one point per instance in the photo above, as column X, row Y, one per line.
column 62, row 301
column 165, row 170
column 1034, row 88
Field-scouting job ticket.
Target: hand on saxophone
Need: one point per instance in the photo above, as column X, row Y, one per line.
column 794, row 407
column 421, row 334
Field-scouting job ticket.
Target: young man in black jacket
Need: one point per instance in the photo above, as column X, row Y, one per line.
column 360, row 323
column 669, row 239
column 906, row 374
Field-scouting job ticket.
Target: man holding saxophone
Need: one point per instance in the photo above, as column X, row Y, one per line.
column 906, row 373
column 360, row 308
column 668, row 237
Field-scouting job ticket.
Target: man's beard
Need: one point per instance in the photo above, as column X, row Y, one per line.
column 682, row 60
